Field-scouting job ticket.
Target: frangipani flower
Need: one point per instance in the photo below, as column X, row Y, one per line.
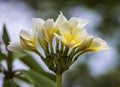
column 72, row 32
column 28, row 41
column 48, row 27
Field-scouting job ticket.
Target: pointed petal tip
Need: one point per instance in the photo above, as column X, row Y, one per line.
column 61, row 13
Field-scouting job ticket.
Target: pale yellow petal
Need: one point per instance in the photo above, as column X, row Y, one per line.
column 45, row 35
column 86, row 43
column 79, row 35
column 14, row 46
column 28, row 41
column 73, row 23
column 25, row 34
column 98, row 44
column 64, row 40
column 80, row 22
column 64, row 31
column 59, row 37
column 38, row 23
column 49, row 23
column 61, row 19
column 74, row 38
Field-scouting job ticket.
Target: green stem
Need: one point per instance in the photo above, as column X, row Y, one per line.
column 59, row 80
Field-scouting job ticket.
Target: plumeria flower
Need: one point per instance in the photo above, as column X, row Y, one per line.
column 48, row 27
column 72, row 32
column 28, row 40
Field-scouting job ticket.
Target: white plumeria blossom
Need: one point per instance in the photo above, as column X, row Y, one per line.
column 27, row 41
column 72, row 31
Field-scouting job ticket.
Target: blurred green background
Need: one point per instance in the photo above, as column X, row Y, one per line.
column 101, row 69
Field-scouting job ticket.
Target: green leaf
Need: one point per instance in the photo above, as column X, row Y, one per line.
column 19, row 54
column 5, row 36
column 9, row 83
column 6, row 41
column 23, row 78
column 28, row 60
column 39, row 80
column 31, row 62
column 2, row 56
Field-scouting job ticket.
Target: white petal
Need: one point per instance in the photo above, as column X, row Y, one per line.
column 82, row 22
column 79, row 22
column 25, row 34
column 61, row 18
column 49, row 23
column 80, row 33
column 64, row 30
column 14, row 46
column 58, row 37
column 73, row 22
column 98, row 44
column 38, row 23
column 101, row 42
column 70, row 45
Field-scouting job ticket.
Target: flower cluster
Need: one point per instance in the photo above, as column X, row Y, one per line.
column 63, row 41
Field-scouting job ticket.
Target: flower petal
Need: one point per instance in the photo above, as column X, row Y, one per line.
column 38, row 23
column 45, row 35
column 79, row 22
column 14, row 46
column 28, row 40
column 25, row 34
column 86, row 43
column 64, row 40
column 98, row 44
column 49, row 23
column 73, row 23
column 61, row 18
column 64, row 30
column 59, row 37
column 79, row 35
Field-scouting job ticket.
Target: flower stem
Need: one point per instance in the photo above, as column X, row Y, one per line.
column 59, row 80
